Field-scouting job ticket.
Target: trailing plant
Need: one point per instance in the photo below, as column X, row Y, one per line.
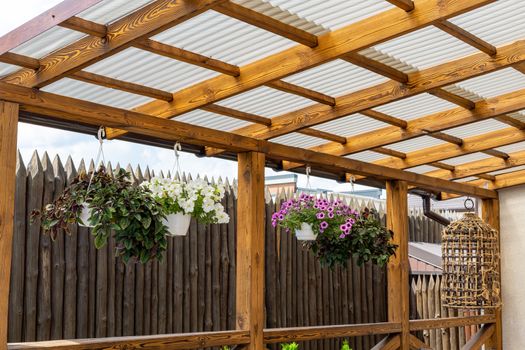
column 289, row 346
column 116, row 207
column 196, row 198
column 341, row 232
column 345, row 345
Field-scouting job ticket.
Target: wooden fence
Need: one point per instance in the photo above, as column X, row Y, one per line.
column 67, row 289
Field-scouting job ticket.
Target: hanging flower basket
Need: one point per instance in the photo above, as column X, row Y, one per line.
column 84, row 215
column 178, row 224
column 338, row 231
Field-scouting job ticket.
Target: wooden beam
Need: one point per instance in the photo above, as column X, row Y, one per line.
column 390, row 152
column 520, row 67
column 466, row 37
column 20, row 60
column 187, row 56
column 407, row 5
column 385, row 118
column 161, row 341
column 250, row 247
column 43, row 22
column 233, row 113
column 444, row 166
column 487, row 177
column 323, row 135
column 391, row 342
column 453, row 98
column 446, row 137
column 84, row 26
column 301, row 91
column 373, row 30
column 376, row 67
column 449, row 322
column 267, row 23
column 8, row 151
column 417, row 344
column 83, row 112
column 397, row 268
column 480, row 338
column 147, row 21
column 507, row 119
column 133, row 88
column 496, row 153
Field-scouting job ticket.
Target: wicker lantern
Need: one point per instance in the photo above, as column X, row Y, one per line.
column 470, row 264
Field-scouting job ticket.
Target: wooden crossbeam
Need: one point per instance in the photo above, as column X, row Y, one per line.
column 390, row 152
column 301, row 91
column 453, row 98
column 148, row 21
column 466, row 37
column 417, row 344
column 487, row 177
column 509, row 179
column 480, row 338
column 108, row 82
column 390, row 91
column 20, row 60
column 83, row 112
column 446, row 137
column 267, row 23
column 520, row 67
column 449, row 322
column 323, row 135
column 233, row 113
column 187, row 56
column 443, row 166
column 385, row 118
column 84, row 26
column 407, row 5
column 391, row 342
column 496, row 153
column 375, row 66
column 378, row 28
column 511, row 121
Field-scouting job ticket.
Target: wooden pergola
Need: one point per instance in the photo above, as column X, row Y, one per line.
column 28, row 93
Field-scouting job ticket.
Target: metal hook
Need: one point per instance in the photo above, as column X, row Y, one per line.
column 352, row 180
column 101, row 133
column 308, row 171
column 468, row 206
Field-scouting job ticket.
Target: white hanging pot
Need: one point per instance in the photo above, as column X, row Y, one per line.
column 85, row 214
column 305, row 233
column 178, row 224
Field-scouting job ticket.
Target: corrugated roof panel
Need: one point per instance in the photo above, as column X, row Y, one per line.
column 224, row 38
column 109, row 11
column 351, row 125
column 467, row 158
column 266, row 102
column 426, row 47
column 145, row 68
column 211, row 120
column 421, row 169
column 477, row 128
column 388, row 60
column 469, row 95
column 415, row 144
column 366, row 156
column 266, row 8
column 336, row 78
column 333, row 14
column 520, row 115
column 508, row 170
column 6, row 69
column 94, row 93
column 48, row 42
column 515, row 147
column 299, row 140
column 498, row 23
column 415, row 107
column 466, row 179
column 493, row 84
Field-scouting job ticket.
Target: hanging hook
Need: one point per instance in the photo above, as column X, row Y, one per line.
column 176, row 167
column 469, row 204
column 352, row 180
column 101, row 133
column 308, row 171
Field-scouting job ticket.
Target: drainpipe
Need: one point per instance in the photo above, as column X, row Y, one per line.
column 430, row 214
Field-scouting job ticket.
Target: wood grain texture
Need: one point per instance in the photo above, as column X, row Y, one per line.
column 453, row 98
column 392, row 342
column 84, row 26
column 301, row 91
column 20, row 60
column 376, row 66
column 466, row 37
column 8, row 153
column 480, row 338
column 407, row 5
column 420, row 325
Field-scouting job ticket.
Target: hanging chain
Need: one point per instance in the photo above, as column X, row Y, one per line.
column 176, row 166
column 308, row 171
column 100, row 135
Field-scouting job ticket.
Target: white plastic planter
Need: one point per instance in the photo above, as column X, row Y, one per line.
column 305, row 233
column 178, row 224
column 84, row 216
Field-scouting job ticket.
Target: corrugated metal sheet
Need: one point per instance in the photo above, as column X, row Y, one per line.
column 415, row 144
column 299, row 140
column 496, row 83
column 477, row 128
column 352, row 125
column 498, row 23
column 425, row 48
column 415, row 107
column 520, row 115
column 212, row 120
column 336, row 78
column 266, row 102
column 366, row 156
column 466, row 158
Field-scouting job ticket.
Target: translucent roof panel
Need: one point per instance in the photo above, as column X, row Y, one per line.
column 94, row 93
column 388, row 60
column 6, row 69
column 415, row 144
column 515, row 147
column 498, row 23
column 422, row 169
column 224, row 38
column 299, row 140
column 426, row 47
column 333, row 14
column 519, row 115
column 415, row 107
column 48, row 42
column 508, row 170
column 352, row 125
column 145, row 68
column 467, row 158
column 108, row 11
column 366, row 156
column 496, row 83
column 477, row 128
column 266, row 102
column 211, row 120
column 336, row 78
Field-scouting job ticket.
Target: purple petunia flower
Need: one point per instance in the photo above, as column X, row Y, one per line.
column 331, row 215
column 320, row 216
column 324, row 225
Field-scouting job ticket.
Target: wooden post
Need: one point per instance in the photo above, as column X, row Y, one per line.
column 8, row 131
column 250, row 247
column 397, row 271
column 490, row 214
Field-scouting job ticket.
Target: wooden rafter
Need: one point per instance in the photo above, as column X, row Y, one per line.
column 378, row 28
column 20, row 60
column 84, row 26
column 301, row 91
column 385, row 118
column 267, row 23
column 496, row 153
column 233, row 113
column 375, row 66
column 510, row 179
column 444, row 166
column 390, row 152
column 407, row 5
column 466, row 37
column 84, row 112
column 453, row 98
column 323, row 135
column 487, row 177
column 147, row 21
column 520, row 67
column 507, row 119
column 446, row 137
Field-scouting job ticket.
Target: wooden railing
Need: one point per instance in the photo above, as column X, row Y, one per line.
column 274, row 335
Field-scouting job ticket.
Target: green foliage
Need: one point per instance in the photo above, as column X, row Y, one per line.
column 225, row 347
column 345, row 345
column 117, row 207
column 289, row 346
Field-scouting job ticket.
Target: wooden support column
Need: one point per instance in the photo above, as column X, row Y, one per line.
column 250, row 247
column 397, row 270
column 8, row 131
column 490, row 214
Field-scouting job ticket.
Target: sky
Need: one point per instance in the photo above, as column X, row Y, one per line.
column 33, row 138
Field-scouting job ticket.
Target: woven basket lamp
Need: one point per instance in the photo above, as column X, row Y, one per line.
column 470, row 264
